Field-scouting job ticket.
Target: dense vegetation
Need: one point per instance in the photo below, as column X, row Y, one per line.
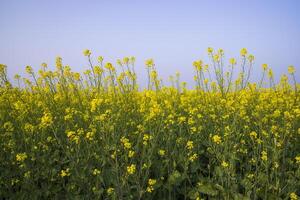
column 97, row 135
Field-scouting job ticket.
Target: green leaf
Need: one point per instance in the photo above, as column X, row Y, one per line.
column 193, row 194
column 208, row 189
column 240, row 197
column 175, row 178
column 219, row 187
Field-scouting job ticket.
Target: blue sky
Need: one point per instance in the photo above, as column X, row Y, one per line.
column 174, row 33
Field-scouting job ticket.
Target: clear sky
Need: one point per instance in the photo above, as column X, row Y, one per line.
column 174, row 33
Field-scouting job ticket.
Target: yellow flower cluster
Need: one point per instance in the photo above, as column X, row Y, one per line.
column 253, row 135
column 224, row 164
column 161, row 152
column 294, row 196
column 73, row 136
column 146, row 139
column 87, row 52
column 149, row 63
column 297, row 158
column 20, row 157
column 190, row 145
column 125, row 142
column 46, row 120
column 96, row 172
column 65, row 172
column 193, row 157
column 264, row 155
column 216, row 139
column 131, row 154
column 99, row 135
column 110, row 191
column 131, row 169
column 151, row 183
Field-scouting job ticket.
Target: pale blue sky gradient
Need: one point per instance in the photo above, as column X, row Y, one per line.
column 174, row 33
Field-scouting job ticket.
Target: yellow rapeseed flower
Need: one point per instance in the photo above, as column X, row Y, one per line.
column 270, row 73
column 294, row 196
column 151, row 183
column 216, row 57
column 110, row 67
column 224, row 164
column 64, row 173
column 87, row 52
column 244, row 52
column 217, row 139
column 150, row 189
column 29, row 69
column 220, row 52
column 20, row 157
column 253, row 135
column 190, row 145
column 131, row 154
column 44, row 65
column 100, row 59
column 110, row 191
column 126, row 60
column 297, row 158
column 126, row 143
column 232, row 61
column 131, row 169
column 161, row 152
column 132, row 60
column 46, row 120
column 96, row 172
column 198, row 65
column 264, row 155
column 149, row 62
column 206, row 81
column 251, row 58
column 291, row 69
column 209, row 50
column 265, row 67
column 193, row 157
column 146, row 138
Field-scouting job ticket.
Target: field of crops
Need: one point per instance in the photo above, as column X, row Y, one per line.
column 98, row 135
